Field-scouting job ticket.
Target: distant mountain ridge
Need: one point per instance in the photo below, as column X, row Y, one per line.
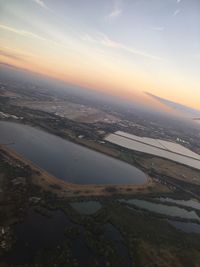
column 191, row 112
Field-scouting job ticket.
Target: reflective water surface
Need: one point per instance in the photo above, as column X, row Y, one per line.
column 66, row 160
column 163, row 209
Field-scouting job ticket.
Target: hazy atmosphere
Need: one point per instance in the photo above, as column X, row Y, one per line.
column 99, row 133
column 122, row 47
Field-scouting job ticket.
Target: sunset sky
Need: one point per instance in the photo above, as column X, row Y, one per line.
column 119, row 46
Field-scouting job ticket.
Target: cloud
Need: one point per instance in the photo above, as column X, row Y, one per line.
column 14, row 51
column 115, row 13
column 178, row 1
column 32, row 35
column 104, row 40
column 101, row 39
column 21, row 32
column 41, row 4
column 12, row 56
column 116, row 10
column 176, row 12
column 159, row 29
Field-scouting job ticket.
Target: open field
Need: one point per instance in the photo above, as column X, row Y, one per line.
column 73, row 111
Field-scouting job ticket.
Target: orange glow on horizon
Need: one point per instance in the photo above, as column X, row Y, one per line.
column 121, row 86
column 123, row 55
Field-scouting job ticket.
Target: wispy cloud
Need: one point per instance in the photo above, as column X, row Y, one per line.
column 116, row 10
column 159, row 29
column 178, row 1
column 14, row 51
column 33, row 35
column 21, row 32
column 104, row 40
column 176, row 12
column 101, row 39
column 41, row 4
column 11, row 55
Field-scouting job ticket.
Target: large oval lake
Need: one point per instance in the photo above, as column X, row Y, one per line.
column 66, row 160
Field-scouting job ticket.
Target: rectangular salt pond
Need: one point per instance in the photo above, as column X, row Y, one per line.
column 162, row 144
column 146, row 140
column 176, row 154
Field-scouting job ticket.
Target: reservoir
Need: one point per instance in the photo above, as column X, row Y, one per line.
column 66, row 160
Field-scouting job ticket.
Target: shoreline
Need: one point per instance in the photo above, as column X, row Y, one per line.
column 145, row 163
column 49, row 182
column 113, row 152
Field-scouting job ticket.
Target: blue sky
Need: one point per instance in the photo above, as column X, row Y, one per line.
column 120, row 46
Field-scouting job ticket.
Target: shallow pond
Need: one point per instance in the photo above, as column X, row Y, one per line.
column 162, row 209
column 86, row 207
column 113, row 234
column 36, row 233
column 186, row 227
column 39, row 233
column 192, row 203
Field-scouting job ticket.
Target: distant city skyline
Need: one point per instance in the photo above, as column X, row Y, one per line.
column 123, row 47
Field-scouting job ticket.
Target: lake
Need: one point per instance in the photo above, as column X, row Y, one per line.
column 66, row 160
